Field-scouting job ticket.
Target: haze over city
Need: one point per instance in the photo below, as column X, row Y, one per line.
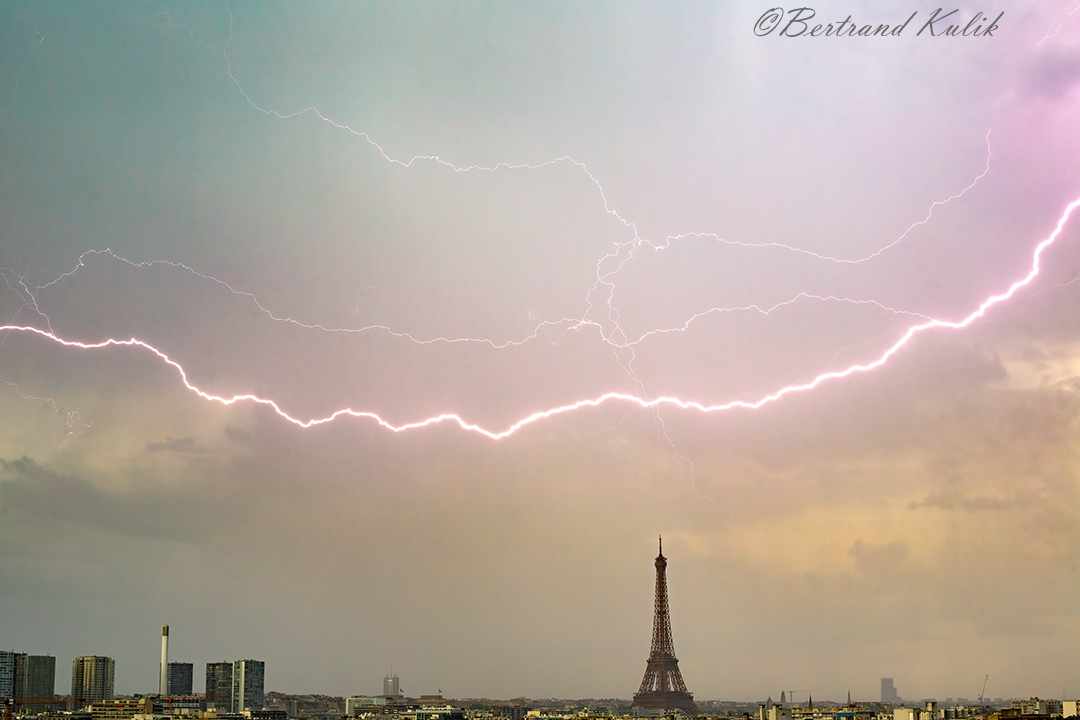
column 493, row 212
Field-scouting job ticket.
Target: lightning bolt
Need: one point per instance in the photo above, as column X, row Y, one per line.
column 602, row 290
column 832, row 258
column 464, row 424
column 601, row 294
column 1057, row 24
column 75, row 424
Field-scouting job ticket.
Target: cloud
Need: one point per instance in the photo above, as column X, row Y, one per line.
column 880, row 560
column 40, row 495
column 184, row 445
column 1054, row 75
column 238, row 436
column 949, row 500
column 42, row 492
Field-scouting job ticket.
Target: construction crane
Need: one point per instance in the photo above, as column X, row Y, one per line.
column 982, row 693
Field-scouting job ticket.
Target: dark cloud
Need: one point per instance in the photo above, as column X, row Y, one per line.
column 1055, row 74
column 880, row 561
column 238, row 436
column 949, row 500
column 39, row 495
column 182, row 446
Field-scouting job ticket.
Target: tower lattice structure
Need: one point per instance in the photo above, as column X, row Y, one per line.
column 663, row 686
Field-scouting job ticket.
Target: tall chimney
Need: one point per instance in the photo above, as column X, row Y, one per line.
column 163, row 689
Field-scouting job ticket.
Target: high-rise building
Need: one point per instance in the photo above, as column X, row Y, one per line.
column 179, row 681
column 663, row 686
column 247, row 685
column 7, row 673
column 35, row 676
column 219, row 685
column 391, row 686
column 92, row 678
column 25, row 676
column 888, row 691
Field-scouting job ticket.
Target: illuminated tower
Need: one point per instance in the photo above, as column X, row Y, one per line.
column 391, row 686
column 663, row 686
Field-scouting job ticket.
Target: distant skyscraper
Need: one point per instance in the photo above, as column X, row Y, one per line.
column 390, row 686
column 180, row 678
column 247, row 685
column 888, row 691
column 7, row 673
column 219, row 685
column 35, row 676
column 92, row 678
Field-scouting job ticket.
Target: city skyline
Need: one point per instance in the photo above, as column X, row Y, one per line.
column 804, row 304
column 34, row 676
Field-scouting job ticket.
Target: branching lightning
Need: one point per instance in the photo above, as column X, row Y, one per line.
column 605, row 320
column 584, row 403
column 1057, row 24
column 831, row 258
column 75, row 424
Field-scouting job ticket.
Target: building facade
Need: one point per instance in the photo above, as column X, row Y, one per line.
column 35, row 677
column 440, row 712
column 219, row 685
column 774, row 712
column 121, row 709
column 179, row 679
column 362, row 704
column 92, row 678
column 391, row 686
column 7, row 673
column 247, row 685
column 25, row 676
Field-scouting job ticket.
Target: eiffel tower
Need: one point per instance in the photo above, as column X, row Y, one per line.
column 663, row 686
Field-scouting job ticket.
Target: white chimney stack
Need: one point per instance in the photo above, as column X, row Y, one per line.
column 163, row 690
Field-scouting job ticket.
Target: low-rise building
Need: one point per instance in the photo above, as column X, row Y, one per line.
column 121, row 709
column 440, row 712
column 359, row 704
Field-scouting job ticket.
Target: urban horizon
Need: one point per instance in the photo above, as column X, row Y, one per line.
column 391, row 689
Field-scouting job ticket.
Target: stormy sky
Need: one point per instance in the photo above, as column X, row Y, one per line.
column 496, row 209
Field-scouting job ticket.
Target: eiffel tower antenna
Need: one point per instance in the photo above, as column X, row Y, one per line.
column 663, row 686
